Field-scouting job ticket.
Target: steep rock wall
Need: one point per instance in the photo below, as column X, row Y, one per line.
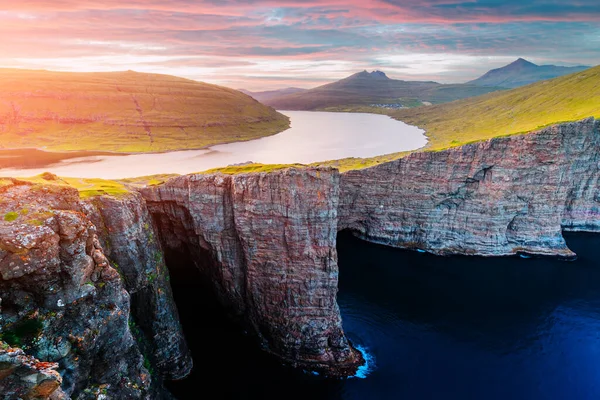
column 267, row 242
column 131, row 242
column 61, row 300
column 500, row 197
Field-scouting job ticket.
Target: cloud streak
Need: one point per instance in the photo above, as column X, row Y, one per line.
column 268, row 44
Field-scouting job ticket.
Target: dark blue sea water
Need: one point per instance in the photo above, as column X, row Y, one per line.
column 455, row 328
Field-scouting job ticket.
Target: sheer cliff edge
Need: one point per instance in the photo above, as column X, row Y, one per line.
column 84, row 283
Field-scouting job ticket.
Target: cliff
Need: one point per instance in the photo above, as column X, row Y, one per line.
column 130, row 237
column 84, row 283
column 62, row 302
column 22, row 376
column 500, row 197
column 267, row 243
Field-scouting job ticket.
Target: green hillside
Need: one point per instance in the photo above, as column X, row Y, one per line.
column 524, row 109
column 125, row 112
column 568, row 98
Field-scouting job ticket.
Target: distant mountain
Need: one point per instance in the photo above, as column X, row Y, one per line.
column 267, row 95
column 566, row 98
column 366, row 88
column 522, row 72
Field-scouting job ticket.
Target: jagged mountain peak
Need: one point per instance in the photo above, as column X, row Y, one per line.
column 521, row 62
column 373, row 74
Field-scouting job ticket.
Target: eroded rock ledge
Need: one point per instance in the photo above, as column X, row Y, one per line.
column 267, row 242
column 64, row 301
column 84, row 283
column 500, row 197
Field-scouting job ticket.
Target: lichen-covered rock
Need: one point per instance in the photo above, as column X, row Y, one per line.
column 131, row 240
column 24, row 377
column 267, row 242
column 504, row 196
column 61, row 301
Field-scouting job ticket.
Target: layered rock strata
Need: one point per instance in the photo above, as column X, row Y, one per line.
column 131, row 243
column 267, row 243
column 500, row 197
column 24, row 377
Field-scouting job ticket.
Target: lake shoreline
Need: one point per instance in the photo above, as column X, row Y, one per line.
column 313, row 137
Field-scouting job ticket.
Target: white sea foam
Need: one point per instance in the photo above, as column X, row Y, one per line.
column 369, row 365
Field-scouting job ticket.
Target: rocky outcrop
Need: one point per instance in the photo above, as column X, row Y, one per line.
column 504, row 196
column 267, row 243
column 24, row 377
column 131, row 240
column 62, row 302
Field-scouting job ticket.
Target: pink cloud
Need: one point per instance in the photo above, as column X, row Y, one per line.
column 407, row 11
column 300, row 36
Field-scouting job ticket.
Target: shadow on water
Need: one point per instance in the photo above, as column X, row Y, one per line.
column 33, row 158
column 226, row 361
column 438, row 327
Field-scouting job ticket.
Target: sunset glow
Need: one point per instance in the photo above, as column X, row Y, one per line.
column 265, row 44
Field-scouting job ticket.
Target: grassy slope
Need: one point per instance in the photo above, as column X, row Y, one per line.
column 89, row 187
column 521, row 110
column 125, row 112
column 364, row 89
column 567, row 98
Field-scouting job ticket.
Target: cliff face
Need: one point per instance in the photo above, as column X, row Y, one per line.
column 131, row 242
column 267, row 242
column 500, row 197
column 62, row 302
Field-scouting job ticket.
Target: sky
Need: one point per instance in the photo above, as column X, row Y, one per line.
column 267, row 44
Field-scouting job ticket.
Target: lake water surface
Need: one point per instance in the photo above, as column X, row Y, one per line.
column 451, row 328
column 313, row 137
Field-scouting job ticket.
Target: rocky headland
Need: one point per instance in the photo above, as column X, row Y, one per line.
column 87, row 308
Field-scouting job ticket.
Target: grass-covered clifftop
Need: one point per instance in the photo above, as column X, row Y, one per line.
column 503, row 113
column 568, row 98
column 125, row 112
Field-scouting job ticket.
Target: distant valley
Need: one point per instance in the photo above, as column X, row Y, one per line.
column 271, row 94
column 375, row 89
column 368, row 88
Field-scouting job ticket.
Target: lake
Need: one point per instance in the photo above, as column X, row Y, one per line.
column 452, row 328
column 313, row 137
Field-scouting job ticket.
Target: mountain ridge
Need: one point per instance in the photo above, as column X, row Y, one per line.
column 366, row 88
column 568, row 98
column 522, row 72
